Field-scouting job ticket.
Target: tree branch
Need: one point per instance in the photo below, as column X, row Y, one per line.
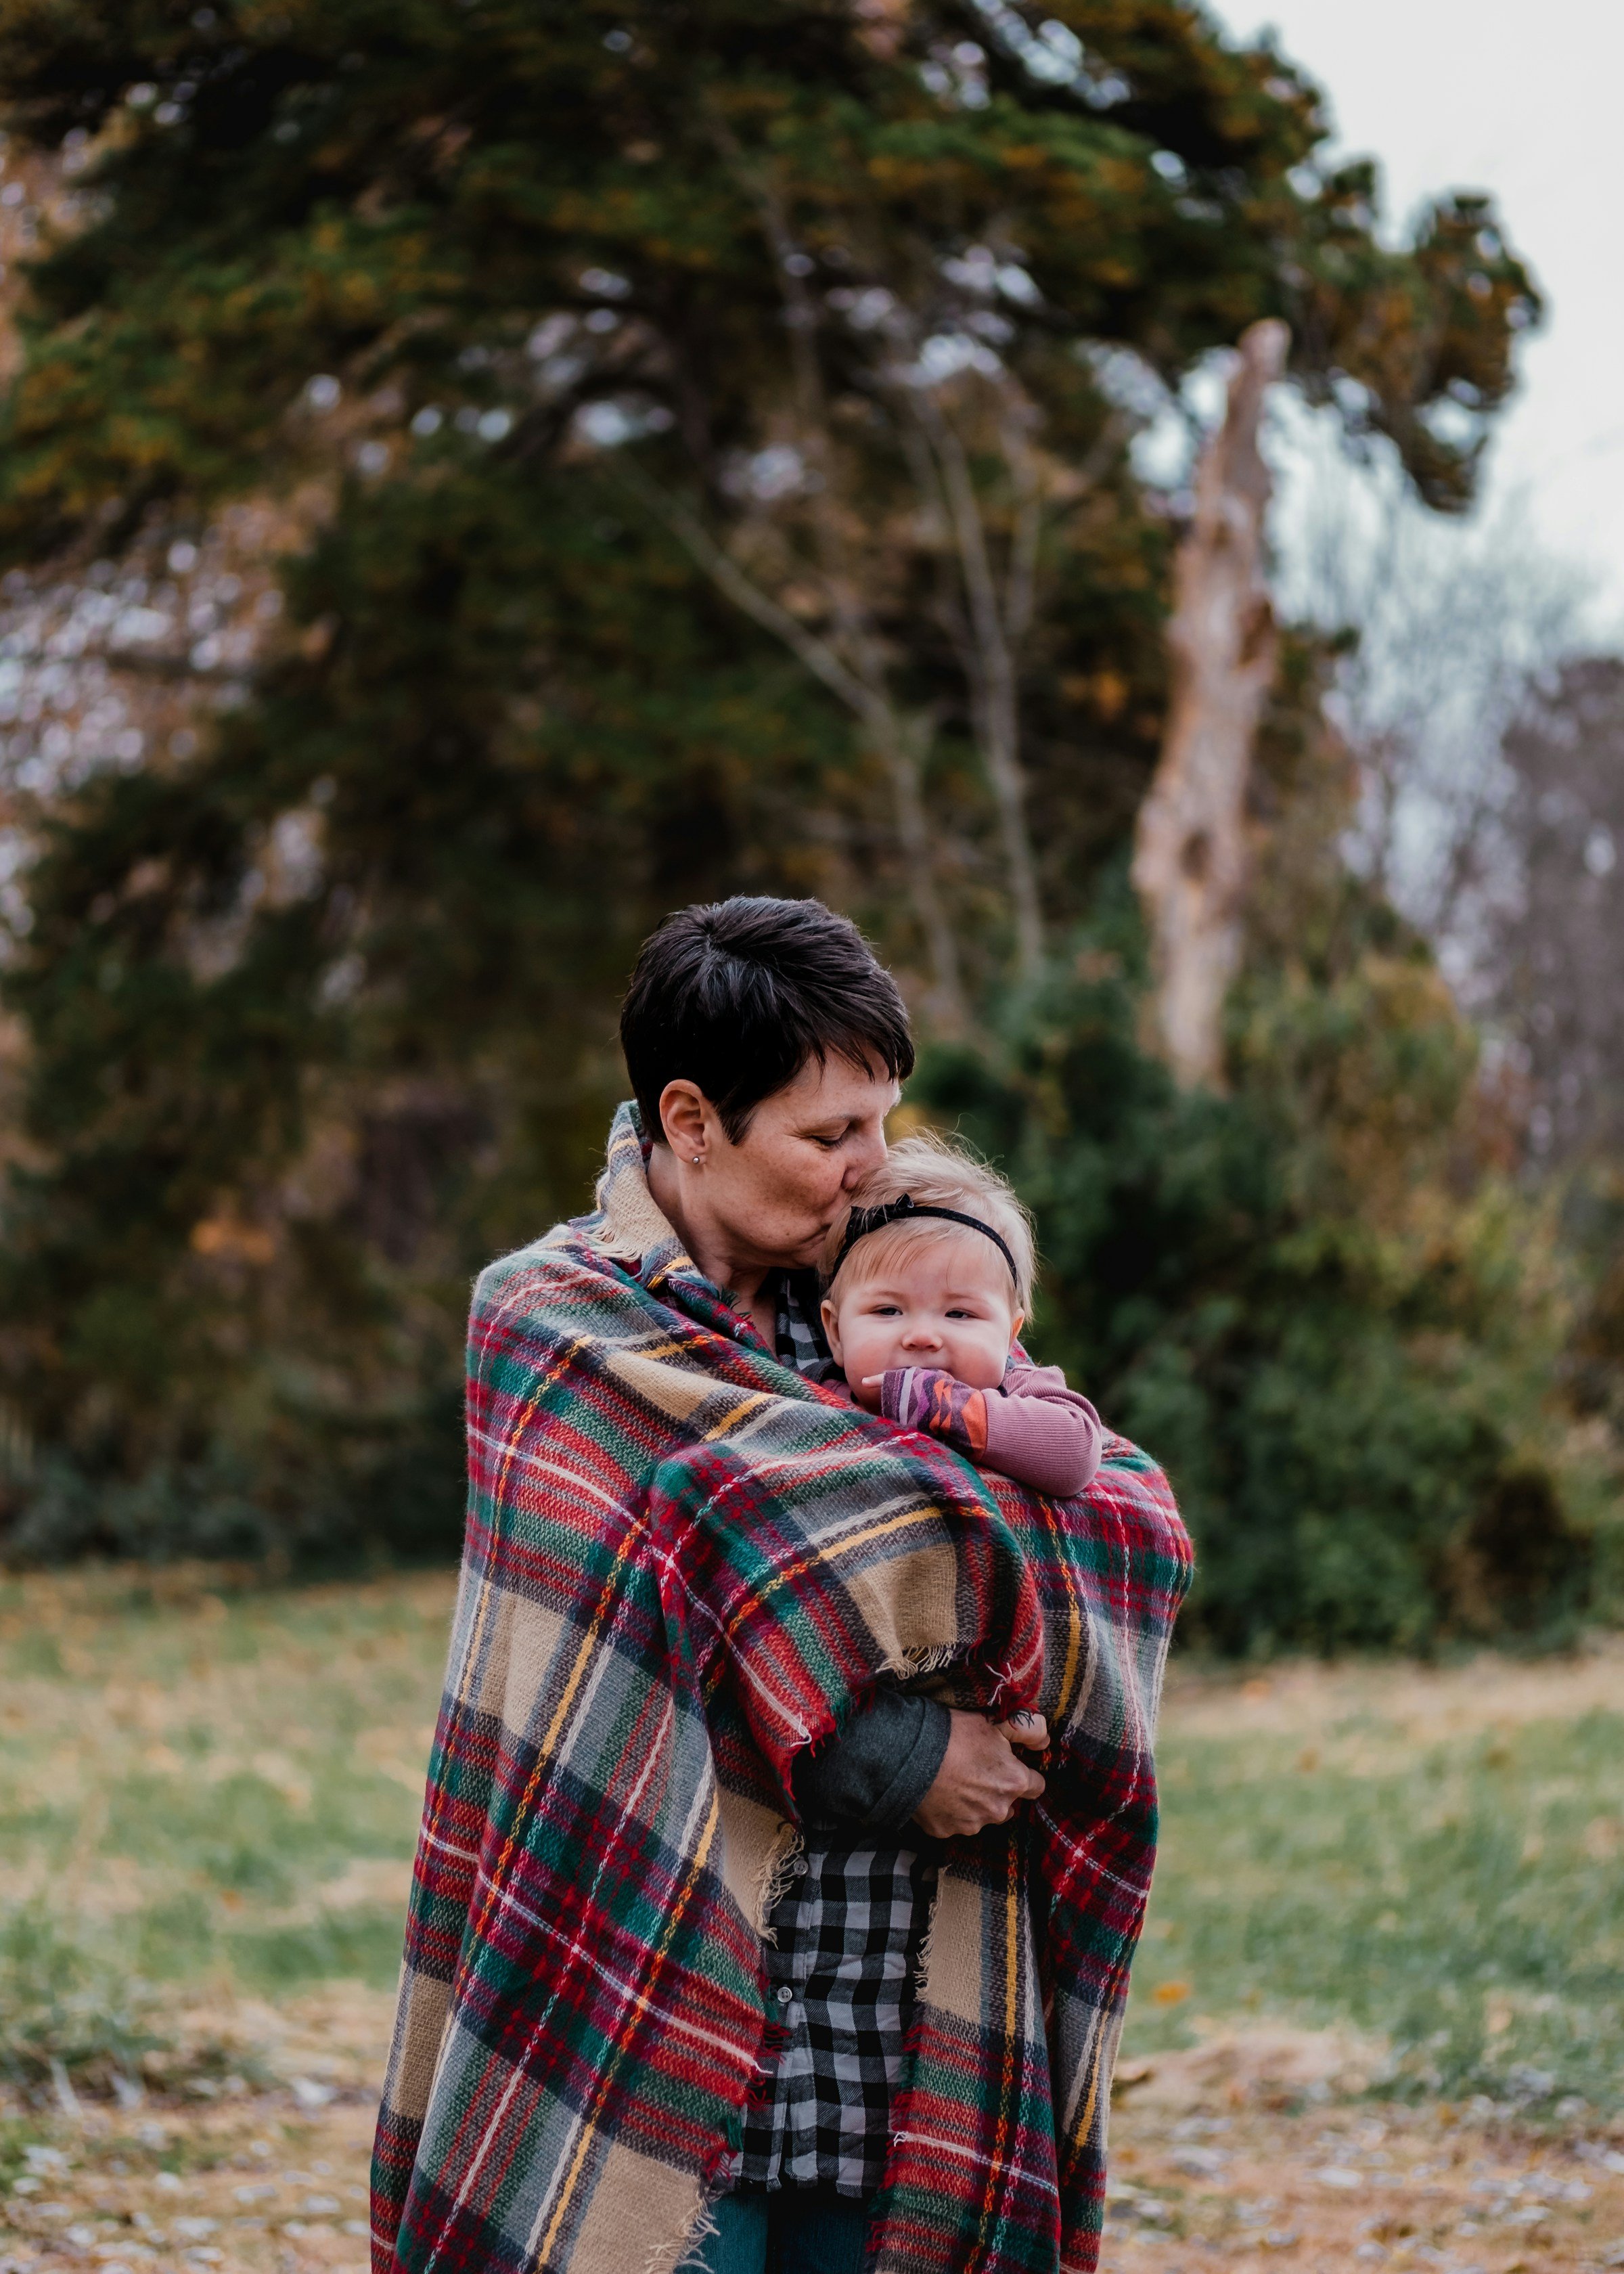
column 996, row 696
column 900, row 744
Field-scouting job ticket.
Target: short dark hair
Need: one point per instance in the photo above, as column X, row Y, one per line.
column 736, row 995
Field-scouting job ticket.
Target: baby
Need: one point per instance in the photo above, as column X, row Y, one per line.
column 928, row 1282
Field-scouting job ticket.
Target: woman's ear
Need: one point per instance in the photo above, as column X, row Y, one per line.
column 832, row 1332
column 682, row 1119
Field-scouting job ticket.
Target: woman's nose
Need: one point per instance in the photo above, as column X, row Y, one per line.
column 862, row 1158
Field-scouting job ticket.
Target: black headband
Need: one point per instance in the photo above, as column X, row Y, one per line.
column 861, row 1222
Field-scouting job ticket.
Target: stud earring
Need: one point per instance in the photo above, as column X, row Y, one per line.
column 695, row 1160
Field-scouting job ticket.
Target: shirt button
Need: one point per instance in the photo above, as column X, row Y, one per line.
column 801, row 1867
column 785, row 1994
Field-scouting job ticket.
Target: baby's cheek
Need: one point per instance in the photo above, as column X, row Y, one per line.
column 869, row 1351
column 980, row 1363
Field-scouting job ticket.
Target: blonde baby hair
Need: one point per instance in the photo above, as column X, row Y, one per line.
column 934, row 1171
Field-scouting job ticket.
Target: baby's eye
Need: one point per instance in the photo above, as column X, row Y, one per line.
column 885, row 1310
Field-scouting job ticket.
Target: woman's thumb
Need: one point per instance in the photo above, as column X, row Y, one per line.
column 1030, row 1729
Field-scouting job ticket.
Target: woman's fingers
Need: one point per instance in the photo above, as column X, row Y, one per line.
column 1032, row 1788
column 982, row 1780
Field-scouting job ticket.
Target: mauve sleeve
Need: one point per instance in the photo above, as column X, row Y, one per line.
column 1033, row 1428
column 1042, row 1434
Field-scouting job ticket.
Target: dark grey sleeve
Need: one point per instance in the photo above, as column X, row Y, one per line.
column 874, row 1775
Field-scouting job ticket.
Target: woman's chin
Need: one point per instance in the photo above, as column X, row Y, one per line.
column 801, row 1258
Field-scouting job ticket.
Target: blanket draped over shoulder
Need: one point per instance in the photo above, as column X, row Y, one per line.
column 685, row 1563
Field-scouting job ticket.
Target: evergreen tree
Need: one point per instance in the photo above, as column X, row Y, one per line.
column 665, row 378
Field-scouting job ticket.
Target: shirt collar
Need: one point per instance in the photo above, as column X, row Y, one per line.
column 629, row 1226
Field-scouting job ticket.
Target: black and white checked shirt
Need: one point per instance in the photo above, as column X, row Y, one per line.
column 841, row 1974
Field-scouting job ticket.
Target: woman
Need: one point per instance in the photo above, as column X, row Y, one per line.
column 643, row 2010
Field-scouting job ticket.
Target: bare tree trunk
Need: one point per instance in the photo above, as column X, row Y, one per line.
column 902, row 743
column 990, row 665
column 1190, row 852
column 901, row 740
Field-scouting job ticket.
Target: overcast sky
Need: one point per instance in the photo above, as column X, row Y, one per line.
column 1521, row 100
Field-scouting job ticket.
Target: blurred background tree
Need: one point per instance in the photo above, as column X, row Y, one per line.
column 480, row 481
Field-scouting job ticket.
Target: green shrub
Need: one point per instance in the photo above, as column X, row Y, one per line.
column 1338, row 1338
column 317, row 1492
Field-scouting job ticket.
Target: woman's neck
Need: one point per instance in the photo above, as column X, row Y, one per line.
column 749, row 1283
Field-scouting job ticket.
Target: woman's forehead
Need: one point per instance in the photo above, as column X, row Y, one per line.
column 831, row 1088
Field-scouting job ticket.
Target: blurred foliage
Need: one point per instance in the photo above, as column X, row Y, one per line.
column 1556, row 949
column 1320, row 1298
column 1353, row 1411
column 322, row 1016
column 402, row 190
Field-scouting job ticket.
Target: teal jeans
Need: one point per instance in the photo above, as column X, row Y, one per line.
column 797, row 2231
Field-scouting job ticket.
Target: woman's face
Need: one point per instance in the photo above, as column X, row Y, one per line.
column 769, row 1202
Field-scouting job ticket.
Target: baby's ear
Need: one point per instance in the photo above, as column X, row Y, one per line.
column 1016, row 1324
column 831, row 1330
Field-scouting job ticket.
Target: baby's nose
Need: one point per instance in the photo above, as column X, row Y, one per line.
column 921, row 1337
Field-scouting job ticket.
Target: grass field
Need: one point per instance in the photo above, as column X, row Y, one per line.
column 1434, row 1859
column 1407, row 1887
column 206, row 1791
column 208, row 1797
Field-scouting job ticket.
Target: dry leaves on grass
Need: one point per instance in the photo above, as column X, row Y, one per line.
column 1249, row 2150
column 1220, row 2157
column 246, row 2183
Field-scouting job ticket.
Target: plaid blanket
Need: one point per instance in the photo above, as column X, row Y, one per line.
column 684, row 1564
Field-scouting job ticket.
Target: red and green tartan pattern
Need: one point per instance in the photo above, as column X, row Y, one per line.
column 684, row 1563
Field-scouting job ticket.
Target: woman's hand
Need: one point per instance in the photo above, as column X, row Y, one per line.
column 981, row 1780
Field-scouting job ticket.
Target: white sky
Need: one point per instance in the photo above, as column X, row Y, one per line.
column 1524, row 102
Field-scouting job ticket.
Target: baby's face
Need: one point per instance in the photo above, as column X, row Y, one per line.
column 947, row 1303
